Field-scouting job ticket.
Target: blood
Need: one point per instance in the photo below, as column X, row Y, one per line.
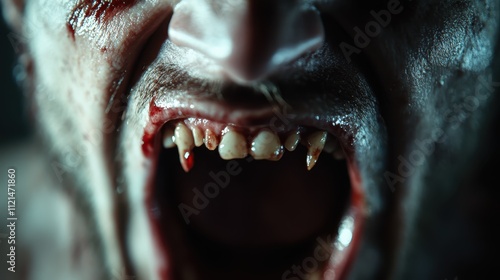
column 315, row 154
column 100, row 10
column 147, row 144
column 155, row 112
column 211, row 140
column 150, row 131
column 187, row 160
column 71, row 30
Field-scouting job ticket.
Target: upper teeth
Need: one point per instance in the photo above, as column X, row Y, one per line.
column 168, row 137
column 211, row 140
column 198, row 136
column 315, row 144
column 232, row 143
column 183, row 138
column 266, row 145
column 292, row 141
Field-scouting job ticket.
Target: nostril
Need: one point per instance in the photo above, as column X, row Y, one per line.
column 305, row 33
column 248, row 43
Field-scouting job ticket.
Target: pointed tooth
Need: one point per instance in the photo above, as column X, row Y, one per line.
column 266, row 145
column 233, row 145
column 292, row 141
column 315, row 144
column 211, row 140
column 185, row 144
column 183, row 136
column 331, row 145
column 168, row 137
column 198, row 136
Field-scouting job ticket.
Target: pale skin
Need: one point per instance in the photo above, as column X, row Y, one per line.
column 93, row 79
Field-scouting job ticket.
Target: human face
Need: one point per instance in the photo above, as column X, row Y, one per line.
column 375, row 86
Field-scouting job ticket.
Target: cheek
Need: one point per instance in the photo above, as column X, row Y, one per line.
column 70, row 86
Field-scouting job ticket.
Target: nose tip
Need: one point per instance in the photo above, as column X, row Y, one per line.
column 248, row 39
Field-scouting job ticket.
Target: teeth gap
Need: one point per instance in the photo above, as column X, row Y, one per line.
column 237, row 143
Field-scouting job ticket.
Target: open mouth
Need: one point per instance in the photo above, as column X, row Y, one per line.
column 251, row 201
column 235, row 183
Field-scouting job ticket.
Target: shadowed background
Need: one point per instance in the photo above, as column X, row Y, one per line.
column 13, row 116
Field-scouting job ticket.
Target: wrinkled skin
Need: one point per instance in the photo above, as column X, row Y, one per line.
column 428, row 77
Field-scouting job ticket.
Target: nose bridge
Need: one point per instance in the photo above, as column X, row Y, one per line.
column 248, row 39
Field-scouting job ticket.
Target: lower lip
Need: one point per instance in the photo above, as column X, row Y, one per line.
column 341, row 260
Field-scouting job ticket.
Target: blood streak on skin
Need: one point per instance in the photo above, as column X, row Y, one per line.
column 148, row 138
column 100, row 10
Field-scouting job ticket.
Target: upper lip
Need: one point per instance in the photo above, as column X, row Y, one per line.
column 211, row 110
column 165, row 108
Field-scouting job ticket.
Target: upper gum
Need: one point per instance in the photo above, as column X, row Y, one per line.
column 219, row 129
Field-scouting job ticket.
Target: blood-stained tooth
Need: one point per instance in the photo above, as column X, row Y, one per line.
column 266, row 145
column 292, row 140
column 331, row 145
column 211, row 140
column 198, row 136
column 315, row 145
column 168, row 137
column 185, row 144
column 233, row 145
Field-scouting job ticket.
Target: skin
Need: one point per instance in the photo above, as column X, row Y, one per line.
column 425, row 78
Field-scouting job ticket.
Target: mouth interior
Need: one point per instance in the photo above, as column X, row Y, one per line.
column 246, row 218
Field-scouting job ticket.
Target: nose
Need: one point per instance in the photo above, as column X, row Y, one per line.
column 249, row 39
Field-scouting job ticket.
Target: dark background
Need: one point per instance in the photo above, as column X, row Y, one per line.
column 14, row 124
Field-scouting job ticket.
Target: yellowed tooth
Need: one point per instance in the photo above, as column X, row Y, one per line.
column 185, row 143
column 211, row 140
column 233, row 145
column 266, row 145
column 315, row 145
column 198, row 136
column 331, row 145
column 168, row 137
column 292, row 140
